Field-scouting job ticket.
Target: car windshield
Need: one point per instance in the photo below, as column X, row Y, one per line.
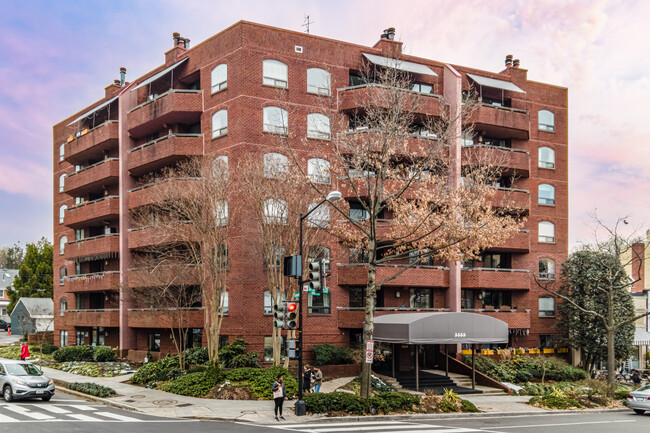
column 23, row 370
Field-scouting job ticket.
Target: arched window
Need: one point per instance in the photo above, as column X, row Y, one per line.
column 546, row 120
column 219, row 123
column 62, row 213
column 318, row 81
column 62, row 152
column 61, row 183
column 320, row 217
column 318, row 170
column 275, row 73
column 546, row 269
column 221, row 213
column 276, row 120
column 275, row 164
column 63, row 272
column 546, row 194
column 546, row 232
column 276, row 211
column 63, row 306
column 220, row 167
column 62, row 242
column 318, row 126
column 546, row 157
column 219, row 78
column 546, row 306
column 223, row 302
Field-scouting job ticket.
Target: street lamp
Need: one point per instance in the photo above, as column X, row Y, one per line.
column 300, row 404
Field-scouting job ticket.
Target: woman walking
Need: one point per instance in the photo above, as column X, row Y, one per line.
column 318, row 379
column 279, row 395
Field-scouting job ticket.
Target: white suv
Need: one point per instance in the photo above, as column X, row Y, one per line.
column 20, row 379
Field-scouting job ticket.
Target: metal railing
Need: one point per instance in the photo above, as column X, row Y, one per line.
column 92, row 166
column 162, row 95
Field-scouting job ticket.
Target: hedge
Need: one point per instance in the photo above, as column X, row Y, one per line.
column 521, row 369
column 74, row 353
column 327, row 354
column 165, row 369
column 383, row 402
column 103, row 354
column 92, row 389
column 195, row 384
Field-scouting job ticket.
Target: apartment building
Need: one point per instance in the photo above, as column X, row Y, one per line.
column 218, row 98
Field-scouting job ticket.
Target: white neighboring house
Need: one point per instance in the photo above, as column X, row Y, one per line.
column 33, row 314
column 6, row 280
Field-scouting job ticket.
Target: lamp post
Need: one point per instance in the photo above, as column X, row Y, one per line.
column 300, row 409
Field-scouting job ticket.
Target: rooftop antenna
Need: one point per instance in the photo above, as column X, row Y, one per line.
column 307, row 23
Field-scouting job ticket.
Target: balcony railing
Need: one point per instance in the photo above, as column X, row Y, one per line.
column 500, row 121
column 166, row 317
column 145, row 194
column 515, row 161
column 92, row 212
column 490, row 278
column 357, row 97
column 93, row 177
column 93, row 143
column 163, row 151
column 97, row 247
column 93, row 282
column 416, row 276
column 106, row 318
column 174, row 106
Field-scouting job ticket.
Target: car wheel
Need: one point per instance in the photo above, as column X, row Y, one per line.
column 47, row 398
column 7, row 394
column 639, row 411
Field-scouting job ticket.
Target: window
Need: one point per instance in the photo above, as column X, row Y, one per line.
column 358, row 212
column 221, row 213
column 219, row 123
column 275, row 164
column 78, row 301
column 318, row 126
column 63, row 306
column 275, row 73
column 219, row 78
column 546, row 232
column 318, row 304
column 220, row 167
column 276, row 120
column 195, row 337
column 546, row 194
column 496, row 298
column 268, row 301
column 62, row 152
column 358, row 255
column 320, row 217
column 318, row 170
column 276, row 211
column 467, row 299
column 546, row 157
column 62, row 242
column 546, row 120
column 223, row 302
column 79, row 234
column 318, row 81
column 153, row 342
column 274, row 255
column 223, row 341
column 546, row 306
column 268, row 348
column 467, row 140
column 63, row 272
column 546, row 269
column 496, row 261
column 62, row 213
column 61, row 183
column 79, row 338
column 547, row 341
column 63, row 338
column 422, row 87
column 421, row 298
column 416, row 257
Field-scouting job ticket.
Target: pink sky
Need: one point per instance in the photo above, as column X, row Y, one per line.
column 56, row 58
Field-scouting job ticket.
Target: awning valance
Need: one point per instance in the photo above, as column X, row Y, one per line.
column 160, row 74
column 440, row 328
column 494, row 83
column 94, row 110
column 402, row 65
column 641, row 337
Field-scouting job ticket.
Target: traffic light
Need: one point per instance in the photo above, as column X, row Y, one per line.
column 291, row 317
column 292, row 349
column 279, row 315
column 316, row 276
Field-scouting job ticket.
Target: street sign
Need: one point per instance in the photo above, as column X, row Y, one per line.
column 370, row 351
column 326, row 289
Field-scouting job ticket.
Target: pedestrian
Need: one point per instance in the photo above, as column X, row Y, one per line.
column 306, row 380
column 636, row 377
column 279, row 394
column 24, row 352
column 318, row 379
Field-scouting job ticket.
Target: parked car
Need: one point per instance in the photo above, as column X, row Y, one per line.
column 639, row 400
column 20, row 379
column 4, row 325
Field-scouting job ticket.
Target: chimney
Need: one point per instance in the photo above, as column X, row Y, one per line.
column 515, row 63
column 122, row 76
column 389, row 33
column 177, row 38
column 388, row 45
column 186, row 43
column 117, row 83
column 508, row 60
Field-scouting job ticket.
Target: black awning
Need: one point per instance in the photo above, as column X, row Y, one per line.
column 440, row 328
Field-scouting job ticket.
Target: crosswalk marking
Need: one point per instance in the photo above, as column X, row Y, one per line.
column 52, row 408
column 82, row 417
column 81, row 407
column 385, row 427
column 5, row 418
column 26, row 412
column 330, row 424
column 116, row 416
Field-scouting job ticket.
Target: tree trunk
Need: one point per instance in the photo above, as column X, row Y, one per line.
column 611, row 358
column 368, row 329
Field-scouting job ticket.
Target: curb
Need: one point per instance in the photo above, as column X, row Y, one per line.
column 61, row 387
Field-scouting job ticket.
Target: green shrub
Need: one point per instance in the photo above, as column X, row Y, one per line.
column 245, row 373
column 103, row 354
column 521, row 369
column 74, row 353
column 261, row 383
column 622, row 392
column 376, row 383
column 327, row 354
column 468, row 406
column 335, row 402
column 91, row 389
column 393, row 401
column 49, row 349
column 195, row 384
column 556, row 402
column 197, row 369
column 155, row 371
column 197, row 355
column 234, row 355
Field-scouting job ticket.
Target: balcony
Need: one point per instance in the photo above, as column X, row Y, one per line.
column 93, row 212
column 353, row 317
column 175, row 106
column 517, row 243
column 515, row 161
column 93, row 143
column 94, row 282
column 163, row 151
column 187, row 275
column 94, row 177
column 511, row 198
column 501, row 122
column 490, row 278
column 146, row 194
column 421, row 276
column 516, row 319
column 357, row 97
column 106, row 318
column 166, row 318
column 150, row 236
column 103, row 246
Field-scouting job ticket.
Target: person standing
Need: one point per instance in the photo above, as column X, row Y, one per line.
column 279, row 394
column 318, row 379
column 24, row 352
column 306, row 380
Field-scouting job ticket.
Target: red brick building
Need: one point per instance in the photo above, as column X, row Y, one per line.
column 211, row 99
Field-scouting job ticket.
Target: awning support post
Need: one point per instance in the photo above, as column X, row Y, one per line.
column 417, row 367
column 447, row 360
column 393, row 356
column 473, row 368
